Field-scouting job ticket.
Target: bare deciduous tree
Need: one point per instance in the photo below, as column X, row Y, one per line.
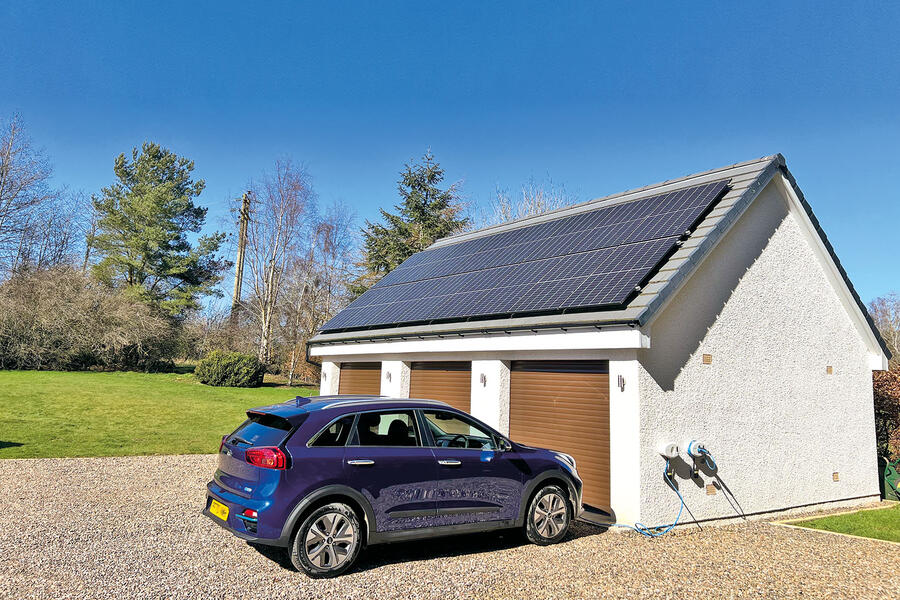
column 532, row 198
column 317, row 285
column 281, row 204
column 885, row 311
column 55, row 234
column 59, row 318
column 24, row 191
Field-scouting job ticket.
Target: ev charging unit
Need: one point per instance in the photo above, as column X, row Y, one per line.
column 668, row 450
column 696, row 449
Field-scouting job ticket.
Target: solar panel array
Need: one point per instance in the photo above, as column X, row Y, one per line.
column 592, row 259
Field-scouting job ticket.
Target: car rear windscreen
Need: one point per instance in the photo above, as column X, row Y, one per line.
column 261, row 429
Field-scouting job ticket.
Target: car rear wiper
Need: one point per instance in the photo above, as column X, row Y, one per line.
column 235, row 439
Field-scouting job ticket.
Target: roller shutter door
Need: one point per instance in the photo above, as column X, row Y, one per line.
column 450, row 382
column 360, row 378
column 564, row 405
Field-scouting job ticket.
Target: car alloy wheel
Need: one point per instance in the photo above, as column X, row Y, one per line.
column 327, row 542
column 549, row 516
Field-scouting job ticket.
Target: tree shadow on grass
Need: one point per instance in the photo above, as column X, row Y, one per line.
column 441, row 547
column 9, row 444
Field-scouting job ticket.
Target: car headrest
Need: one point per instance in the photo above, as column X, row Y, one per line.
column 398, row 431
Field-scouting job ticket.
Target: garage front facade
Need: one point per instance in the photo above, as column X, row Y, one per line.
column 708, row 308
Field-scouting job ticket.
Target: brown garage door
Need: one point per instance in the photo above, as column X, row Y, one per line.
column 450, row 382
column 360, row 378
column 564, row 405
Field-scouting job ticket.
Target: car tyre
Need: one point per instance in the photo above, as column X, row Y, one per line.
column 549, row 516
column 327, row 542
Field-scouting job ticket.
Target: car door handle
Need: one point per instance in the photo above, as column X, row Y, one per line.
column 449, row 463
column 361, row 462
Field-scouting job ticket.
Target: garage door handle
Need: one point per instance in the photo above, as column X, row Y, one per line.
column 449, row 463
column 361, row 462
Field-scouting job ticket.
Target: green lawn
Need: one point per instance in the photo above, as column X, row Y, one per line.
column 53, row 414
column 880, row 523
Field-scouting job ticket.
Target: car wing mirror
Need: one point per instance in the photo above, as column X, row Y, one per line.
column 503, row 445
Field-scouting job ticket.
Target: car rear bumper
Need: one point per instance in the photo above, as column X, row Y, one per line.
column 235, row 524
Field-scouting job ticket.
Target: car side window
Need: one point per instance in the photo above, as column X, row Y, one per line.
column 336, row 434
column 385, row 429
column 450, row 430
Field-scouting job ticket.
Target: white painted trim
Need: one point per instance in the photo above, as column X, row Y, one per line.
column 605, row 339
column 490, row 396
column 330, row 379
column 395, row 376
column 877, row 358
column 625, row 441
column 513, row 355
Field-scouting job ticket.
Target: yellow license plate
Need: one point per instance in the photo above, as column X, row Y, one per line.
column 219, row 509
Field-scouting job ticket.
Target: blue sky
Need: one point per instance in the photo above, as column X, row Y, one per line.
column 600, row 97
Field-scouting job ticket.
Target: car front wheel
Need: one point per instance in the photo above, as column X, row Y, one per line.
column 327, row 542
column 549, row 516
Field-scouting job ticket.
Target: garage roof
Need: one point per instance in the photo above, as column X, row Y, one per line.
column 620, row 258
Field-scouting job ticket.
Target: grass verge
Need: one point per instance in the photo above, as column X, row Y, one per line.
column 58, row 414
column 878, row 523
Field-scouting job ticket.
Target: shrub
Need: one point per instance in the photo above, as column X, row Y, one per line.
column 887, row 412
column 231, row 369
column 62, row 320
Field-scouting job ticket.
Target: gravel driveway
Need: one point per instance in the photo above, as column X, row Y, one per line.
column 131, row 528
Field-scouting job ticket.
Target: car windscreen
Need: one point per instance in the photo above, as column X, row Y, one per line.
column 261, row 429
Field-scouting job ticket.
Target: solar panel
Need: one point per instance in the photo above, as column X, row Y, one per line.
column 589, row 260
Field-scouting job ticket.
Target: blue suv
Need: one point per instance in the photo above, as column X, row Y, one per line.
column 328, row 475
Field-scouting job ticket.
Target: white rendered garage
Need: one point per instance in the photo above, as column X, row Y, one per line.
column 747, row 335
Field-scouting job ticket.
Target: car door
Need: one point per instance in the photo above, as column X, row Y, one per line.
column 386, row 461
column 477, row 481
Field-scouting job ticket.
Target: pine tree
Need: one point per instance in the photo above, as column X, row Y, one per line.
column 144, row 221
column 425, row 214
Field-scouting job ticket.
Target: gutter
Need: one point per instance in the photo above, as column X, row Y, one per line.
column 308, row 359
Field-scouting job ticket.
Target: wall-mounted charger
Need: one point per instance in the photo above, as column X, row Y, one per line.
column 668, row 450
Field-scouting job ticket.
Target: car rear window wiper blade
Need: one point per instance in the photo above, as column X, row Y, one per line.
column 236, row 439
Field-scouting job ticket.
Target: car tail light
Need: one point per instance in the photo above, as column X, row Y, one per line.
column 250, row 518
column 222, row 443
column 267, row 457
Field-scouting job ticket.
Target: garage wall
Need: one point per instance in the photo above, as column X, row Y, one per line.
column 777, row 424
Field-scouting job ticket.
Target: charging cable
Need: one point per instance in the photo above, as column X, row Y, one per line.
column 708, row 459
column 659, row 530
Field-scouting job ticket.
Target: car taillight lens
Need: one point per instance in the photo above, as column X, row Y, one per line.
column 267, row 457
column 250, row 513
column 222, row 443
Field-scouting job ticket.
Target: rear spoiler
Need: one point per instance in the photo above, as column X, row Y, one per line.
column 291, row 411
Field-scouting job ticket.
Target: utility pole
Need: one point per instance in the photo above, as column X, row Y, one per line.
column 243, row 220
